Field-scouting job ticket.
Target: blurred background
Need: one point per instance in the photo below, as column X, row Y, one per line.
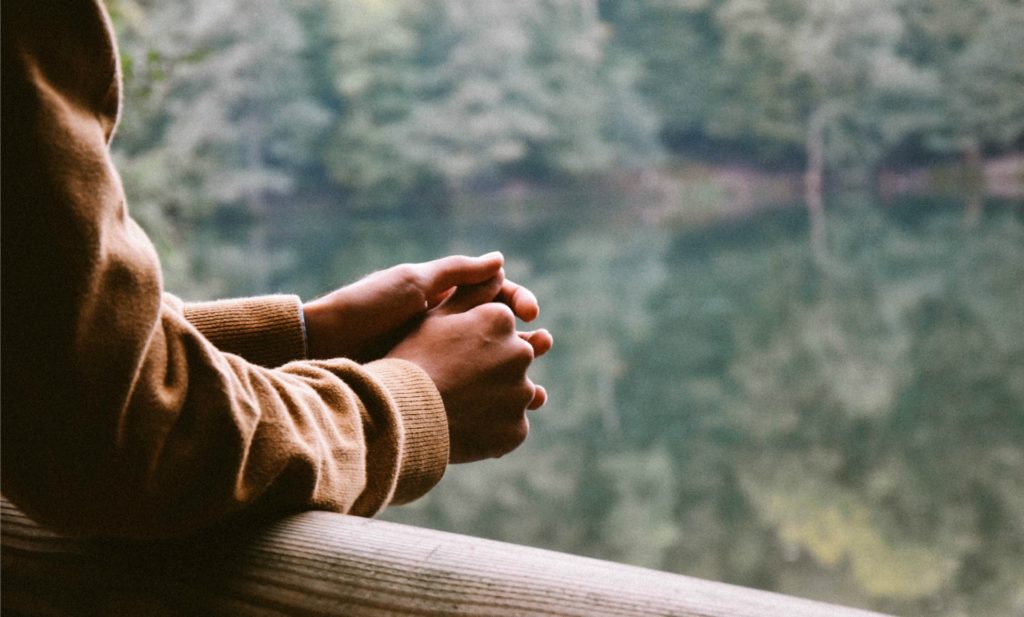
column 780, row 246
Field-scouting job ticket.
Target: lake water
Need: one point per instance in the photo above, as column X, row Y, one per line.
column 721, row 406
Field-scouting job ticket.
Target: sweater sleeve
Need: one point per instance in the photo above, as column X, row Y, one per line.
column 120, row 418
column 266, row 330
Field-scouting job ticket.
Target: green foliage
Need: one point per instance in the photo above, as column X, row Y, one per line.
column 973, row 48
column 373, row 57
column 677, row 44
column 219, row 116
column 381, row 101
column 788, row 65
column 458, row 91
column 988, row 78
column 867, row 408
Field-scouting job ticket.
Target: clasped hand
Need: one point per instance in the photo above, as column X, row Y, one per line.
column 455, row 317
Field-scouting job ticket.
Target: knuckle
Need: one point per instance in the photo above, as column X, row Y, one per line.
column 524, row 395
column 523, row 428
column 500, row 315
column 517, row 433
column 406, row 273
column 523, row 352
column 409, row 278
column 510, row 290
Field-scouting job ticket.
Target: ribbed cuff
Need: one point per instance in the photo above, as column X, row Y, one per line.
column 425, row 426
column 266, row 330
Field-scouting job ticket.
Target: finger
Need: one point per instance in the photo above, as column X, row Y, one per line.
column 471, row 296
column 439, row 298
column 540, row 396
column 440, row 275
column 540, row 340
column 520, row 299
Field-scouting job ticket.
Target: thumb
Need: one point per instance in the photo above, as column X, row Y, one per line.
column 441, row 275
column 469, row 297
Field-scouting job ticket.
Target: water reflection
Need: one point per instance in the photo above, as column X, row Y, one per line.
column 721, row 407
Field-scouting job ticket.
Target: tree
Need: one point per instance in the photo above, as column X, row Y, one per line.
column 218, row 113
column 824, row 74
column 676, row 43
column 373, row 59
column 987, row 93
column 972, row 47
column 455, row 92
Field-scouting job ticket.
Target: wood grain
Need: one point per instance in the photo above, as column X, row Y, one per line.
column 319, row 563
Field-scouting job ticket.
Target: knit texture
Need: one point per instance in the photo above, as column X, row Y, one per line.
column 125, row 412
column 265, row 330
column 420, row 464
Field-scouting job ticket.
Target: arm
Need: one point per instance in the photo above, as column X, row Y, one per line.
column 120, row 417
column 265, row 330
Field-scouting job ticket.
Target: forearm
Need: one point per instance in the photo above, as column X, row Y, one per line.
column 199, row 435
column 203, row 435
column 265, row 330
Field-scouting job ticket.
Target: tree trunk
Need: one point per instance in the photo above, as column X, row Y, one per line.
column 813, row 181
column 974, row 176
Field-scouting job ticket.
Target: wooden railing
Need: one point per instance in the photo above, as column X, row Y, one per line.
column 318, row 563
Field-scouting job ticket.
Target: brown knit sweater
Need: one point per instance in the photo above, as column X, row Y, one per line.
column 126, row 412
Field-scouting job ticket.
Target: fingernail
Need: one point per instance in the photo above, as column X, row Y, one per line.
column 492, row 255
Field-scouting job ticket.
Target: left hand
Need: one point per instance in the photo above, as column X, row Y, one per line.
column 364, row 320
column 478, row 360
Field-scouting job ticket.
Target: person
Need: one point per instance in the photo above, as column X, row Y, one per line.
column 129, row 413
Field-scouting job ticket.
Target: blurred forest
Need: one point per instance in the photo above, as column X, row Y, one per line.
column 780, row 246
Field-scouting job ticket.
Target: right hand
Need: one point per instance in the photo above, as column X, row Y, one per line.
column 469, row 346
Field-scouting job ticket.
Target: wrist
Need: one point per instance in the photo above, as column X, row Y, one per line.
column 316, row 322
column 305, row 330
column 333, row 327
